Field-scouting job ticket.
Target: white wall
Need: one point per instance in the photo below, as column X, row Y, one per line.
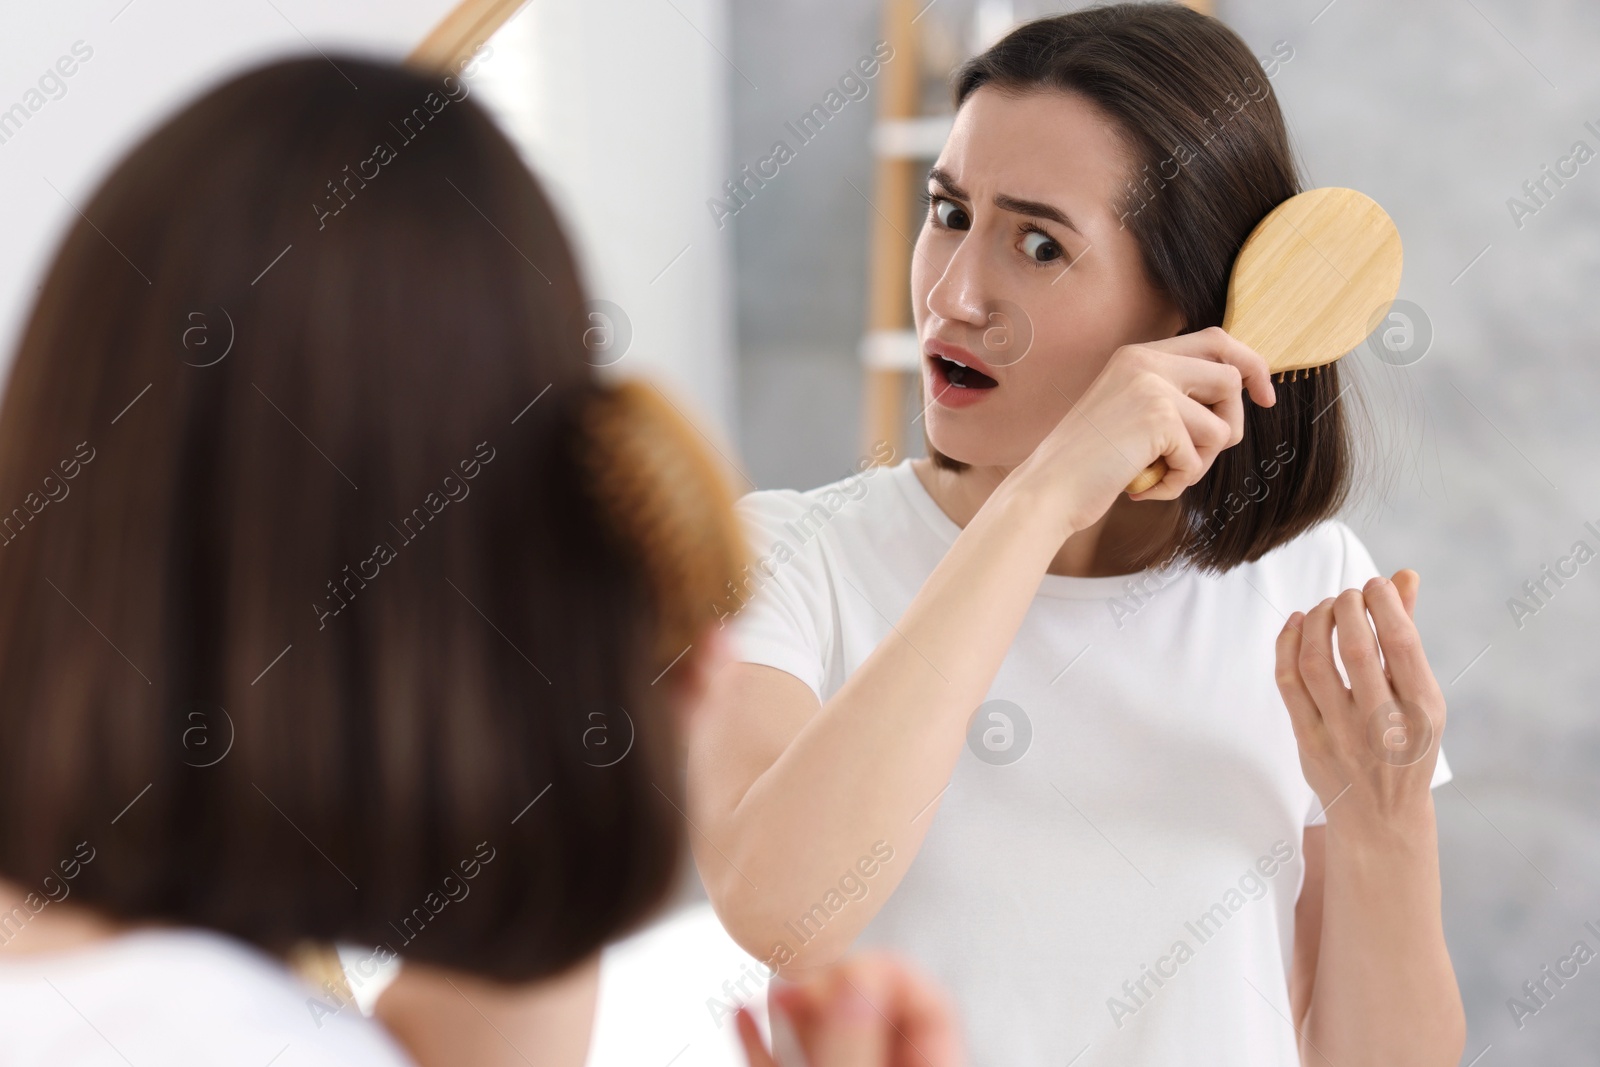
column 621, row 106
column 147, row 58
column 619, row 103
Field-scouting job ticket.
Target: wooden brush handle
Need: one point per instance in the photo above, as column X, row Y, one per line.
column 1149, row 476
column 469, row 24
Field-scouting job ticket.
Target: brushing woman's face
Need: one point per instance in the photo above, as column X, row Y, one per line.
column 1024, row 272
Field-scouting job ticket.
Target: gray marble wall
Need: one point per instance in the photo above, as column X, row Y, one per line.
column 1482, row 467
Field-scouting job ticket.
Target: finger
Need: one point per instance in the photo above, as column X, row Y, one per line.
column 1193, row 449
column 1316, row 662
column 924, row 1024
column 1217, row 345
column 1184, row 468
column 850, row 1030
column 1206, row 380
column 1211, row 429
column 793, row 1007
column 921, row 1023
column 1410, row 676
column 1406, row 581
column 1304, row 715
column 750, row 1038
column 1358, row 650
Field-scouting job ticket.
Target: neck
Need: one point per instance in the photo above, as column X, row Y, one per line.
column 41, row 921
column 447, row 1018
column 1107, row 548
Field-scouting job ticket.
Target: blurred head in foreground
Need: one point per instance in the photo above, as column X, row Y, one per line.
column 329, row 570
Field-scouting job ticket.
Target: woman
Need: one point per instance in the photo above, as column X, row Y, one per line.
column 1042, row 735
column 338, row 602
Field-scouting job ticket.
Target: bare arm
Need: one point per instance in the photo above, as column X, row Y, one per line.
column 1384, row 990
column 1308, row 924
column 787, row 794
column 790, row 794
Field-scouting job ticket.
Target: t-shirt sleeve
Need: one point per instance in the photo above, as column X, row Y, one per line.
column 1357, row 569
column 782, row 615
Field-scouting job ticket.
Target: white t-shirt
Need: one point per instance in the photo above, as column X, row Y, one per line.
column 177, row 998
column 1137, row 810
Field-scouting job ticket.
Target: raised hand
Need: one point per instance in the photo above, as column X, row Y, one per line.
column 1376, row 739
column 869, row 1010
column 1180, row 399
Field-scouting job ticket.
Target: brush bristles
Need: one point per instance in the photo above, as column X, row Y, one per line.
column 669, row 499
column 1296, row 375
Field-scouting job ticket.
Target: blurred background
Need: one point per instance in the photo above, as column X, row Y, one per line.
column 762, row 301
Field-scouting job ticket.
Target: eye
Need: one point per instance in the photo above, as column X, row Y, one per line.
column 950, row 214
column 1039, row 247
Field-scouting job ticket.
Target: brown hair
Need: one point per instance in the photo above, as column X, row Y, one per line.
column 1211, row 158
column 330, row 622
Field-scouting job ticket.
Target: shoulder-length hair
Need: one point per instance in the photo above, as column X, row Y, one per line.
column 1211, row 157
column 311, row 625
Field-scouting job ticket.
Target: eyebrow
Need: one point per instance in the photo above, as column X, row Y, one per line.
column 1005, row 202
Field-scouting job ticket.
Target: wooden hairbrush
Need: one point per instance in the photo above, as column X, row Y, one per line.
column 668, row 497
column 1309, row 284
column 468, row 25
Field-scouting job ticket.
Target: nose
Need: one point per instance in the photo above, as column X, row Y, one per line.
column 958, row 295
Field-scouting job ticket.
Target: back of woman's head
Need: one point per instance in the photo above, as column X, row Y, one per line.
column 309, row 600
column 1210, row 158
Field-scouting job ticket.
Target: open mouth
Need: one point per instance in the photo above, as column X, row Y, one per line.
column 960, row 376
